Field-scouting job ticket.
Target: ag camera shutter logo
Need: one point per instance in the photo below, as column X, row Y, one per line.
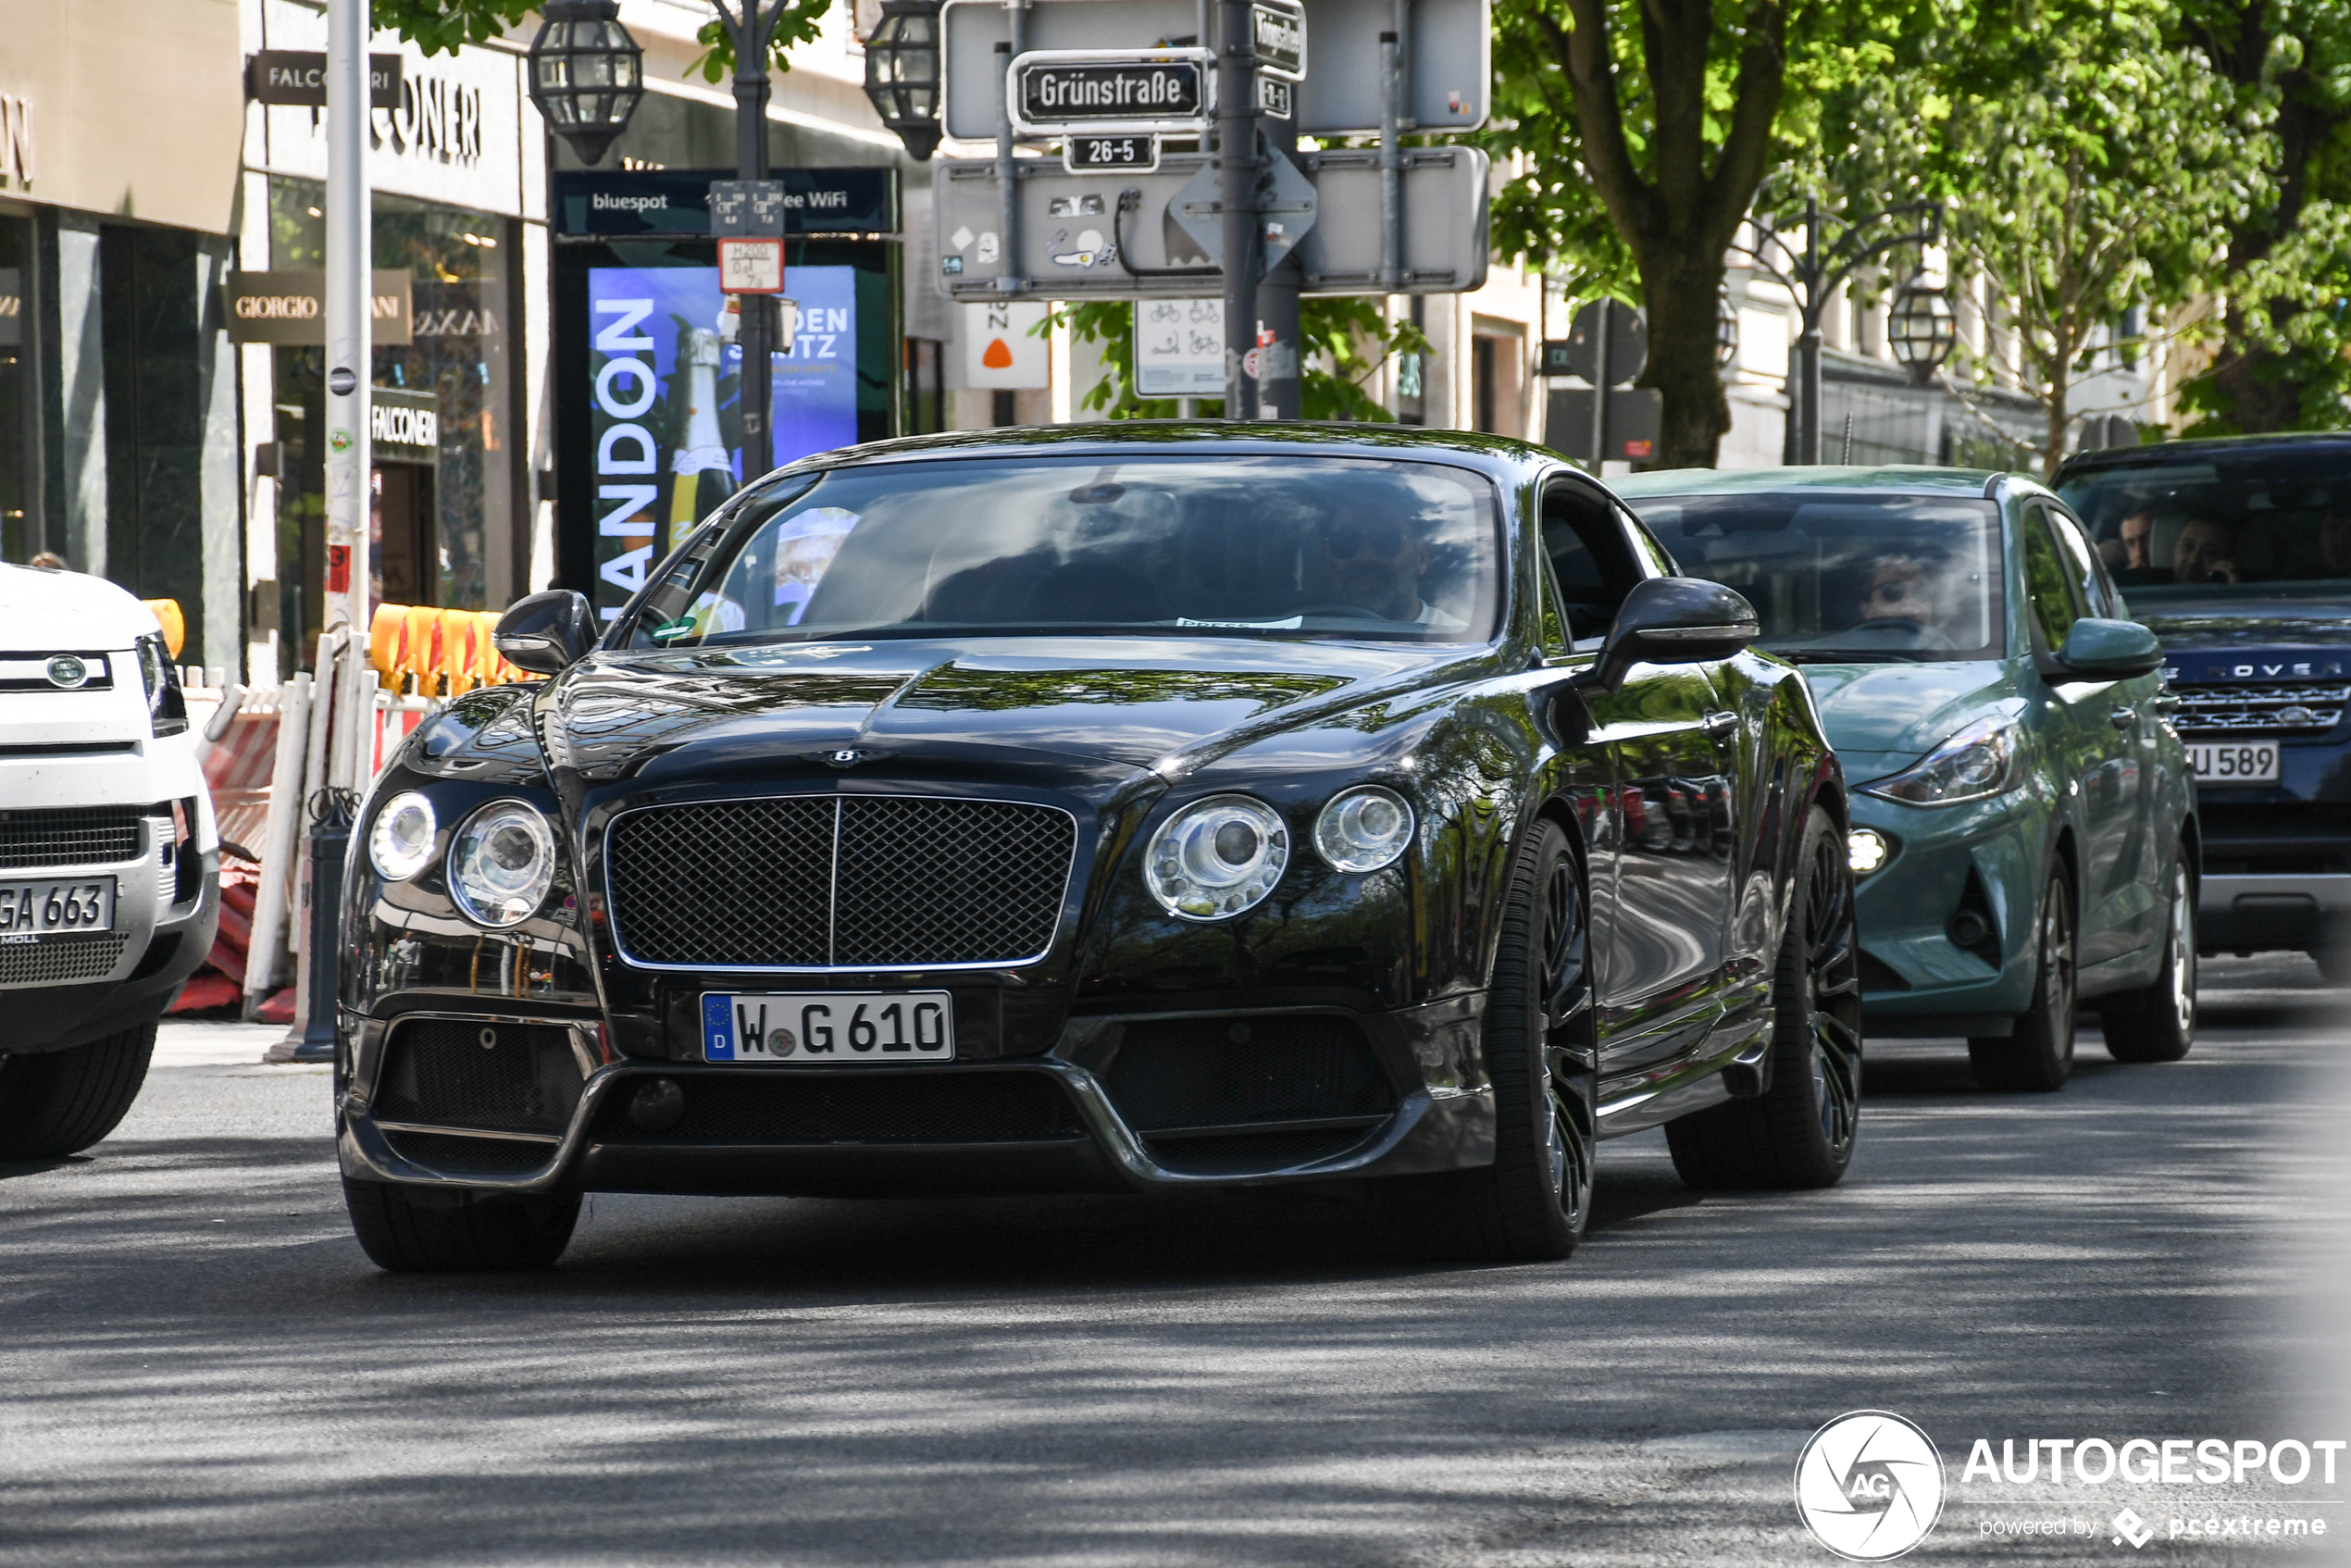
column 1869, row 1485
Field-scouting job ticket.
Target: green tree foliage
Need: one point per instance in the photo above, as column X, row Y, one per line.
column 1648, row 129
column 2092, row 166
column 435, row 26
column 1347, row 342
column 2281, row 360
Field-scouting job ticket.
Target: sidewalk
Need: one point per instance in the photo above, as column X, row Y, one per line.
column 183, row 1044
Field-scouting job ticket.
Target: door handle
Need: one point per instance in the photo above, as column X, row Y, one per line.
column 2125, row 718
column 1720, row 724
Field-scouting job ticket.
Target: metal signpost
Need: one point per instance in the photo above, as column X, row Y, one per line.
column 1239, row 212
column 350, row 357
column 1606, row 346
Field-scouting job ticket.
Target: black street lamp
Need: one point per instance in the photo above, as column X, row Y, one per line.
column 1920, row 329
column 1812, row 274
column 901, row 73
column 586, row 73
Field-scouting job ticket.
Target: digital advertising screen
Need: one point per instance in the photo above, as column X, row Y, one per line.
column 665, row 402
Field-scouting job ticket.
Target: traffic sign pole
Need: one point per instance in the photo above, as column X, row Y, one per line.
column 1279, row 374
column 1237, row 169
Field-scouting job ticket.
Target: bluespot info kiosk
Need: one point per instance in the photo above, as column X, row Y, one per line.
column 648, row 441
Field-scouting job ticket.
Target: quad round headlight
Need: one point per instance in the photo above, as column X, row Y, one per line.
column 1364, row 828
column 1217, row 858
column 501, row 864
column 401, row 845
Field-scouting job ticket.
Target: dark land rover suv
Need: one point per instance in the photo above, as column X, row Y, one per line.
column 2237, row 551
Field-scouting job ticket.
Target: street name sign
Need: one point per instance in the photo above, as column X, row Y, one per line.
column 1054, row 92
column 1087, row 152
column 297, row 79
column 1080, row 239
column 1277, row 33
column 1448, row 57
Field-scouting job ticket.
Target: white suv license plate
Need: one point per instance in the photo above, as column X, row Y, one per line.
column 29, row 909
column 2255, row 762
column 829, row 1028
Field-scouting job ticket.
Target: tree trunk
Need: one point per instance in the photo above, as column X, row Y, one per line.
column 2059, row 408
column 1683, row 285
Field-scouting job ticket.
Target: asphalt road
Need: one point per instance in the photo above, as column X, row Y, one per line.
column 197, row 1365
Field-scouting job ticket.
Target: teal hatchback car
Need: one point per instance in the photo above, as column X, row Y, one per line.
column 2023, row 823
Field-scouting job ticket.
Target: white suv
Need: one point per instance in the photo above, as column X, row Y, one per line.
column 109, row 857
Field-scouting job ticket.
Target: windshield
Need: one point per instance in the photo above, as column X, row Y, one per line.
column 2201, row 527
column 1214, row 546
column 1863, row 578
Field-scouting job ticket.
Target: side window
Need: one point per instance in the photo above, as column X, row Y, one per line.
column 1591, row 563
column 2051, row 585
column 2097, row 589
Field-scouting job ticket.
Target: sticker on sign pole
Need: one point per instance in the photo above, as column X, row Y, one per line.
column 750, row 267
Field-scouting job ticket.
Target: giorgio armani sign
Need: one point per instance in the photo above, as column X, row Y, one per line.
column 290, row 309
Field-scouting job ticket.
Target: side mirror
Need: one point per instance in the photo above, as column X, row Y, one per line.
column 2103, row 650
column 1673, row 620
column 547, row 632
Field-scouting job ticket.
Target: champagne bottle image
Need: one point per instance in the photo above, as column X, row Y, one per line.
column 702, row 470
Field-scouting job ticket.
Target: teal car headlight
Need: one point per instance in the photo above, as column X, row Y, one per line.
column 1983, row 760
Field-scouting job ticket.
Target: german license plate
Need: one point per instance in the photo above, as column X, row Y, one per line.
column 829, row 1028
column 2252, row 762
column 39, row 909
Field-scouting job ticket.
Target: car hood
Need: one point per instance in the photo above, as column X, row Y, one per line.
column 1105, row 706
column 2251, row 622
column 1883, row 717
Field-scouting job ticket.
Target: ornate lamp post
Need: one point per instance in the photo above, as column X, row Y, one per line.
column 1920, row 329
column 901, row 73
column 586, row 73
column 1834, row 247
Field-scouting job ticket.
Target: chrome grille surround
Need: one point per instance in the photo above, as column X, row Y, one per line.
column 838, row 883
column 2233, row 708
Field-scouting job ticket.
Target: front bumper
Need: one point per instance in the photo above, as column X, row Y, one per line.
column 1988, row 855
column 2236, row 913
column 1440, row 1117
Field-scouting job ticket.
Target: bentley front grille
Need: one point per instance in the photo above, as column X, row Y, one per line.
column 839, row 882
column 72, row 835
column 2207, row 710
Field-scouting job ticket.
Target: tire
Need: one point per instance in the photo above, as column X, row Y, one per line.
column 1800, row 1131
column 62, row 1102
column 2039, row 1056
column 482, row 1235
column 2157, row 1022
column 1542, row 1054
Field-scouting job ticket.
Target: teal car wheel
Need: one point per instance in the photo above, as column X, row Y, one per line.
column 2158, row 1024
column 2039, row 1056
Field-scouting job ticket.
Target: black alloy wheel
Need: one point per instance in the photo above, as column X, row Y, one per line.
column 2157, row 1023
column 1542, row 1054
column 1800, row 1131
column 2038, row 1057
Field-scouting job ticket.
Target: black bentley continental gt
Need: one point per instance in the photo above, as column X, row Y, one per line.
column 1108, row 807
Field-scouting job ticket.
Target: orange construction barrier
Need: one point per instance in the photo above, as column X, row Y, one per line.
column 175, row 624
column 460, row 634
column 421, row 662
column 388, row 644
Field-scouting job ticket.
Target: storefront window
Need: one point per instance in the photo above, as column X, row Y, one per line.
column 449, row 527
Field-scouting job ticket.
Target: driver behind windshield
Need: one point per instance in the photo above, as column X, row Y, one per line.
column 1381, row 565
